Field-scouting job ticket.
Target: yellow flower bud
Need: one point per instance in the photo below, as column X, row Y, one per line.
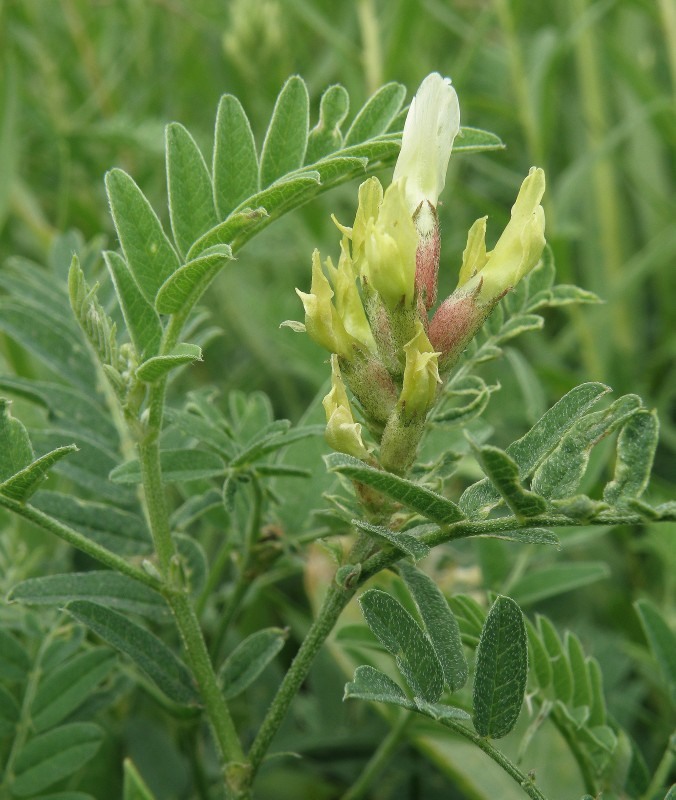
column 342, row 433
column 421, row 375
column 370, row 198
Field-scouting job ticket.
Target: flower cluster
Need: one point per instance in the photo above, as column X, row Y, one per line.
column 372, row 310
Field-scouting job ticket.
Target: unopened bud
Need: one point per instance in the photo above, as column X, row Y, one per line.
column 421, row 376
column 342, row 433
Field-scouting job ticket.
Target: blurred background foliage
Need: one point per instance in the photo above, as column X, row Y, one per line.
column 584, row 89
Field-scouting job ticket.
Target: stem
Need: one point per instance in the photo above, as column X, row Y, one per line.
column 500, row 759
column 79, row 541
column 660, row 779
column 381, row 756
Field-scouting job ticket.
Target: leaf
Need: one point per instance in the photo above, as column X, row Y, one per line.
column 582, row 695
column 15, row 447
column 22, row 485
column 286, row 138
column 278, row 198
column 424, row 501
column 227, row 231
column 636, row 445
column 372, row 684
column 440, row 624
column 475, row 140
column 503, row 473
column 191, row 200
column 558, row 579
column 134, row 787
column 54, row 755
column 107, row 588
column 377, row 114
column 193, row 562
column 560, row 474
column 525, row 536
column 68, row 686
column 14, row 661
column 597, row 710
column 157, row 367
column 477, row 395
column 333, row 171
column 438, row 711
column 405, row 640
column 326, row 137
column 143, row 324
column 178, row 466
column 501, row 670
column 562, row 676
column 9, row 712
column 538, row 657
column 235, row 165
column 249, row 659
column 517, row 325
column 185, row 287
column 272, row 437
column 149, row 654
column 661, row 639
column 404, row 542
column 529, row 451
column 146, row 248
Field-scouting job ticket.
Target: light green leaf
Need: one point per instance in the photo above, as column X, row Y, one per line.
column 278, row 198
column 582, row 695
column 110, row 589
column 14, row 661
column 15, row 447
column 475, row 140
column 371, row 684
column 662, row 641
column 424, row 501
column 157, row 367
column 468, row 400
column 560, row 474
column 552, row 581
column 538, row 657
column 22, row 485
column 149, row 654
column 238, row 223
column 383, row 150
column 235, row 161
column 177, row 466
column 405, row 640
column 143, row 324
column 249, row 659
column 286, row 139
column 54, row 755
column 562, row 676
column 440, row 624
column 517, row 325
column 326, row 137
column 402, row 541
column 146, row 248
column 375, row 116
column 134, row 787
column 191, row 200
column 562, row 295
column 597, row 710
column 333, row 171
column 636, row 445
column 65, row 689
column 184, row 288
column 501, row 670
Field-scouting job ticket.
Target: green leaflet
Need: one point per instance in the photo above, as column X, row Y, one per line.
column 286, row 138
column 402, row 541
column 15, row 447
column 191, row 200
column 501, row 670
column 273, row 437
column 475, row 140
column 134, row 787
column 582, row 692
column 177, row 466
column 426, row 502
column 249, row 659
column 538, row 658
column 562, row 675
column 468, row 400
column 149, row 654
column 440, row 624
column 227, row 231
column 662, row 641
column 109, row 589
column 404, row 639
column 22, row 485
column 235, row 166
column 52, row 756
column 371, row 684
column 9, row 712
column 157, row 367
column 143, row 323
column 326, row 137
column 146, row 248
column 375, row 117
column 14, row 661
column 185, row 287
column 557, row 579
column 636, row 445
column 597, row 711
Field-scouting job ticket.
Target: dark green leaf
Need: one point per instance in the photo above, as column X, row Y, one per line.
column 405, row 640
column 157, row 367
column 582, row 695
column 9, row 712
column 555, row 580
column 438, row 711
column 326, row 137
column 501, row 670
column 562, row 676
column 371, row 684
column 424, row 501
column 286, row 139
column 15, row 447
column 184, row 288
column 143, row 324
column 283, row 471
column 597, row 710
column 191, row 200
column 54, row 755
column 134, row 787
column 249, row 659
column 402, row 541
column 235, row 160
column 22, row 485
column 662, row 641
column 193, row 562
column 375, row 117
column 151, row 655
column 68, row 686
column 526, row 536
column 146, row 248
column 14, row 661
column 440, row 624
column 110, row 589
column 636, row 445
column 538, row 657
column 177, row 466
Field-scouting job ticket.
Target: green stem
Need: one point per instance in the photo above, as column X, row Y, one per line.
column 379, row 759
column 660, row 778
column 79, row 541
column 500, row 759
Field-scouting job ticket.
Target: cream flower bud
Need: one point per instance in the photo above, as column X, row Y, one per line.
column 421, row 375
column 348, row 301
column 342, row 433
column 432, row 123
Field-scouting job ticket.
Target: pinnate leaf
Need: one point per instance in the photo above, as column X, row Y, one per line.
column 377, row 114
column 326, row 137
column 184, row 288
column 158, row 366
column 177, row 466
column 249, row 659
column 372, row 684
column 286, row 139
column 402, row 541
column 662, row 641
column 235, row 165
column 636, row 445
column 22, row 485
